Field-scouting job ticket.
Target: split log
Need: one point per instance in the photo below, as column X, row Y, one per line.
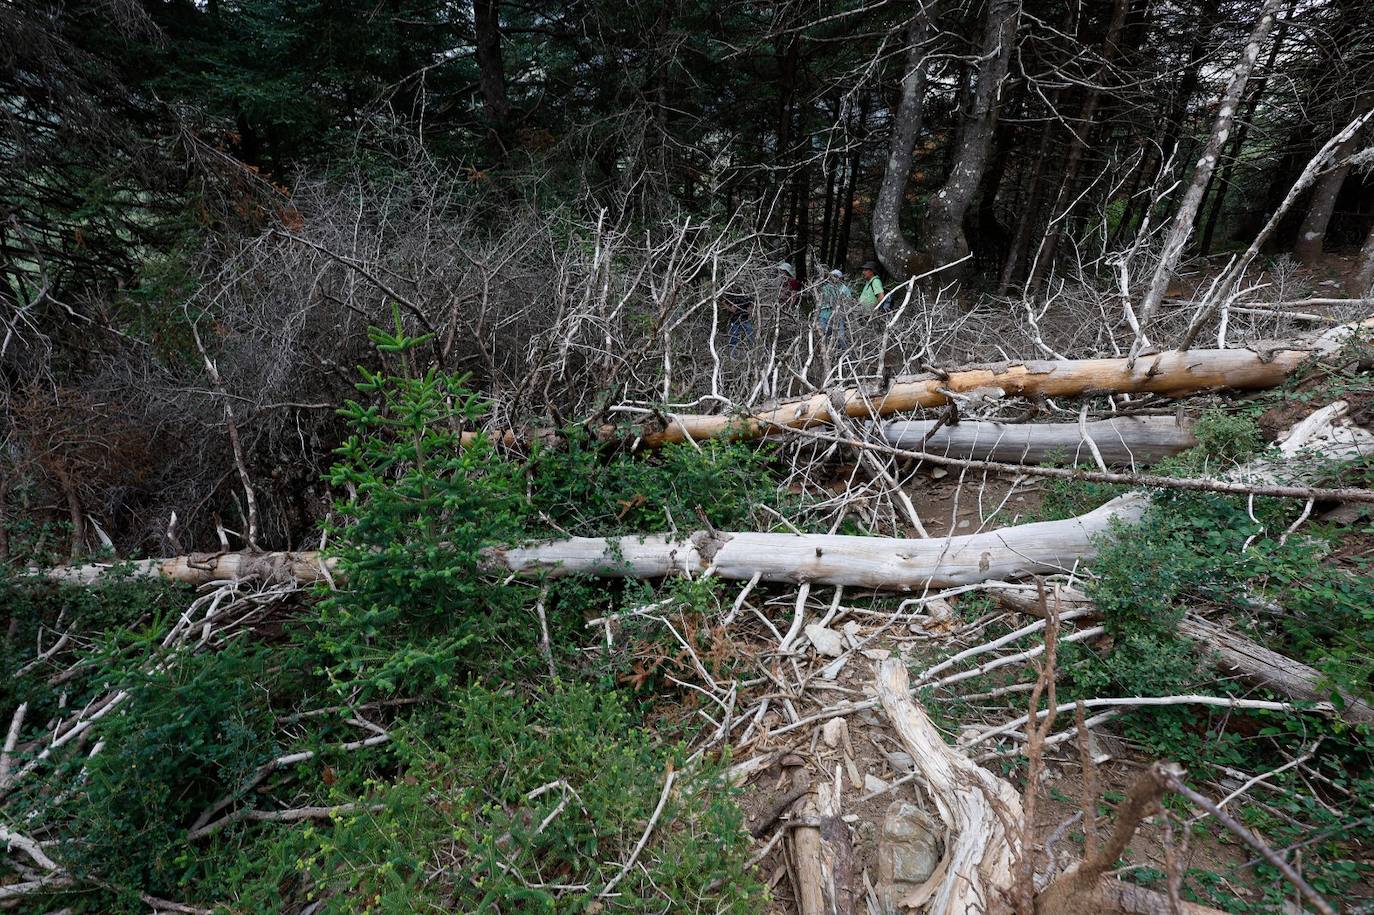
column 822, row 854
column 1252, row 662
column 981, row 811
column 1122, row 440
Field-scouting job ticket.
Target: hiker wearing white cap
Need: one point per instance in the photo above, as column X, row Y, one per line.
column 789, row 289
column 835, row 301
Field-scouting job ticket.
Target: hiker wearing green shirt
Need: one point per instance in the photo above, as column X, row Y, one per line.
column 835, row 301
column 871, row 295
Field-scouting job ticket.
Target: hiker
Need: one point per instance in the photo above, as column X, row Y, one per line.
column 871, row 294
column 836, row 299
column 789, row 288
column 739, row 306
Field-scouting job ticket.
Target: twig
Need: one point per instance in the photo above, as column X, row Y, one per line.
column 1176, row 785
column 644, row 839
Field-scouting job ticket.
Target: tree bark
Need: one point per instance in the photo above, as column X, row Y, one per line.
column 1182, row 228
column 894, row 250
column 1312, row 233
column 946, row 241
column 486, row 19
column 1362, row 282
column 1125, row 440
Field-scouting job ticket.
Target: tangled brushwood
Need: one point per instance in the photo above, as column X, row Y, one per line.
column 608, row 457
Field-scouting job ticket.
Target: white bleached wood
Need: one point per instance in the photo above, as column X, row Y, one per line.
column 1123, row 440
column 976, row 806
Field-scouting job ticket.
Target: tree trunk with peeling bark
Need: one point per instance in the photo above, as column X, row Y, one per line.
column 1173, row 374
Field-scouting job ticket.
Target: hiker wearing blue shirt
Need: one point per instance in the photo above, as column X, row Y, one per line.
column 836, row 300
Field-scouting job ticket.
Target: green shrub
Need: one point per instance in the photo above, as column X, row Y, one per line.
column 416, row 611
column 576, row 486
column 466, row 827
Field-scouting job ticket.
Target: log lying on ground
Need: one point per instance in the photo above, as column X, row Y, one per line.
column 1171, row 373
column 1249, row 660
column 893, row 564
column 1122, row 440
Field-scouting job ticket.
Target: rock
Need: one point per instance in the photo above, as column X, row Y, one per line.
column 826, row 641
column 833, row 732
column 851, row 632
column 938, row 473
column 873, row 784
column 900, row 761
column 939, row 617
column 876, row 654
column 909, row 850
column 832, row 670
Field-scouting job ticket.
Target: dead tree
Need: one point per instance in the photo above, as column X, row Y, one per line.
column 1182, row 228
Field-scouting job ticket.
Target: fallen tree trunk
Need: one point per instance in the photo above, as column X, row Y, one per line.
column 894, row 564
column 864, row 562
column 1249, row 660
column 1169, row 373
column 1259, row 666
column 1173, row 374
column 1122, row 440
